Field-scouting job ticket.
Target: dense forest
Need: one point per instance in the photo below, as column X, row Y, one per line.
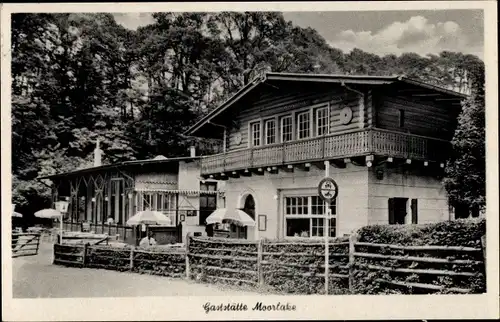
column 78, row 77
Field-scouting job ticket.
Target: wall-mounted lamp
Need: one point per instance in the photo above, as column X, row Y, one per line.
column 369, row 164
column 130, row 196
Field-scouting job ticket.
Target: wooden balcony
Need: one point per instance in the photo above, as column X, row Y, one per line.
column 364, row 142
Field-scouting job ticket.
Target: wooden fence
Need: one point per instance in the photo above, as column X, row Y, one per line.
column 290, row 267
column 25, row 244
column 354, row 267
column 165, row 261
column 417, row 269
column 299, row 267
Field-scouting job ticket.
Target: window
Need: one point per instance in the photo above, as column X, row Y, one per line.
column 305, row 215
column 255, row 130
column 286, row 129
column 160, row 201
column 401, row 118
column 165, row 202
column 147, row 201
column 270, row 128
column 322, row 121
column 208, row 200
column 397, row 211
column 304, row 125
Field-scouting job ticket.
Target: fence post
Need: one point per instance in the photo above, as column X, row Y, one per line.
column 37, row 244
column 131, row 258
column 188, row 273
column 84, row 257
column 260, row 273
column 352, row 241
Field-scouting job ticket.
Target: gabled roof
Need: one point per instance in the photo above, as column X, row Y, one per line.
column 121, row 165
column 320, row 78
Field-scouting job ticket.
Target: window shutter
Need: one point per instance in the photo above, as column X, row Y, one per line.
column 414, row 211
column 392, row 219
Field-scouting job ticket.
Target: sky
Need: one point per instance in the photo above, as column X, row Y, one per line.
column 381, row 32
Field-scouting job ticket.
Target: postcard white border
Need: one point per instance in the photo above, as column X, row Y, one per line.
column 308, row 307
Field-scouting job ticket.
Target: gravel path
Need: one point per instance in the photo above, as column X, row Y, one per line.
column 36, row 277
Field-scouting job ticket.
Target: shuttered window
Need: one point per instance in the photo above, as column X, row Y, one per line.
column 392, row 218
column 414, row 211
column 398, row 215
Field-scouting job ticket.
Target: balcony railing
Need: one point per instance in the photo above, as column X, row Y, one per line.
column 336, row 146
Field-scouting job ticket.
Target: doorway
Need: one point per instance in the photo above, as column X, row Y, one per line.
column 249, row 208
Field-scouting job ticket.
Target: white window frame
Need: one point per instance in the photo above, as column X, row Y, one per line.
column 266, row 128
column 309, row 215
column 282, row 121
column 252, row 133
column 298, row 115
column 325, row 108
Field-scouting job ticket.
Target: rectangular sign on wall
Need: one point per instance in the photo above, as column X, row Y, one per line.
column 262, row 222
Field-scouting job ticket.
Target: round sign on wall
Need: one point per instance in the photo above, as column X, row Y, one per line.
column 328, row 189
column 346, row 115
column 237, row 138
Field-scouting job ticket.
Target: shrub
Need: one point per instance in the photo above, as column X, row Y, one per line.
column 465, row 233
column 304, row 274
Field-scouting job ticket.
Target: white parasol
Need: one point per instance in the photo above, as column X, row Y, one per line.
column 149, row 217
column 236, row 216
column 16, row 214
column 48, row 213
column 52, row 214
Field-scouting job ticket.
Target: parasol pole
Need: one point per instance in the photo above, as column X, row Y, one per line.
column 61, row 228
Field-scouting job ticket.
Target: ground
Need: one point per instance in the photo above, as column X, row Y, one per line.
column 36, row 277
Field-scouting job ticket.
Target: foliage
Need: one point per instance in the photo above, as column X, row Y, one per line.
column 465, row 179
column 297, row 267
column 307, row 275
column 239, row 258
column 450, row 233
column 466, row 233
column 164, row 262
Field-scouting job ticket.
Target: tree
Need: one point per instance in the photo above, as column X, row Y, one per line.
column 465, row 179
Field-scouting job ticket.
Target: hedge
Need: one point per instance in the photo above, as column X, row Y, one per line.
column 237, row 261
column 307, row 275
column 465, row 233
column 297, row 267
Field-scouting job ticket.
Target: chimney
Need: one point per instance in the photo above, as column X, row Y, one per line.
column 192, row 151
column 97, row 154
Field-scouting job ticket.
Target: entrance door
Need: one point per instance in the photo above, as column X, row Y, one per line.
column 249, row 208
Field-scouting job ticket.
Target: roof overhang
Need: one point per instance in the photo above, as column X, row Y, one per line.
column 319, row 78
column 120, row 166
